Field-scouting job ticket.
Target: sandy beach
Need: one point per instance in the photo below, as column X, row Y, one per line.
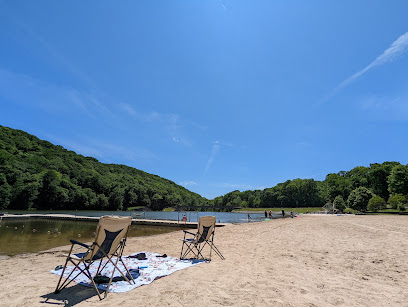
column 312, row 260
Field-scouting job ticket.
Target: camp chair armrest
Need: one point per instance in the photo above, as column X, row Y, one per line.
column 185, row 231
column 79, row 243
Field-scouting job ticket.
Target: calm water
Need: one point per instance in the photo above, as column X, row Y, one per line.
column 17, row 236
column 222, row 217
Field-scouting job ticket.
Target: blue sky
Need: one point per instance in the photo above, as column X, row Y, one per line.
column 214, row 95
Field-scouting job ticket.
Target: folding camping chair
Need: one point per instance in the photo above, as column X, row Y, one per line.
column 110, row 240
column 203, row 237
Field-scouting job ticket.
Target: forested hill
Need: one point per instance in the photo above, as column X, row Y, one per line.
column 384, row 183
column 35, row 174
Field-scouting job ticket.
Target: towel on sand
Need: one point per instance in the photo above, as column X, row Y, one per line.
column 150, row 269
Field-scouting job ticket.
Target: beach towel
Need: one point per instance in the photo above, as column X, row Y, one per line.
column 155, row 266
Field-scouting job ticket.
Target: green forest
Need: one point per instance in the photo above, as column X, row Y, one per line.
column 360, row 189
column 35, row 174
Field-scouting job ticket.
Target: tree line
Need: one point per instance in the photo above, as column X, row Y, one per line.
column 362, row 188
column 35, row 174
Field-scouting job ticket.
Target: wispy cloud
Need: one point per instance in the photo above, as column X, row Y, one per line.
column 149, row 116
column 224, row 4
column 23, row 89
column 170, row 122
column 214, row 151
column 103, row 150
column 386, row 107
column 35, row 41
column 397, row 48
column 187, row 183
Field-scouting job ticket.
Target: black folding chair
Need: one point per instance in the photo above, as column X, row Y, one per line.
column 110, row 240
column 203, row 237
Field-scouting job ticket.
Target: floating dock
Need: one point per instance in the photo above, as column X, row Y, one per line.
column 167, row 223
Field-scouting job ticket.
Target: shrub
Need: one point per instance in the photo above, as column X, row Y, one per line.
column 349, row 210
column 359, row 198
column 339, row 203
column 397, row 200
column 376, row 203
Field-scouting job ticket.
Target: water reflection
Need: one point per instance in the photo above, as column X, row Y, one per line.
column 19, row 236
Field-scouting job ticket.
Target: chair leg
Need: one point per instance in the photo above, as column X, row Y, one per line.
column 57, row 289
column 213, row 247
column 200, row 248
column 181, row 253
column 131, row 277
column 113, row 273
column 94, row 284
column 189, row 249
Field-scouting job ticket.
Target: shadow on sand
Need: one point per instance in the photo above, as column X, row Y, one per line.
column 70, row 296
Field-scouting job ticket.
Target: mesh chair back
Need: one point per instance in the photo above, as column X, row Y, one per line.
column 206, row 225
column 109, row 233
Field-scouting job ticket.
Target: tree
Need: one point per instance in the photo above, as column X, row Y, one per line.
column 101, row 202
column 157, row 202
column 116, row 199
column 359, row 198
column 5, row 192
column 130, row 198
column 398, row 180
column 358, row 177
column 339, row 203
column 48, row 194
column 377, row 177
column 397, row 200
column 337, row 185
column 376, row 203
column 5, row 157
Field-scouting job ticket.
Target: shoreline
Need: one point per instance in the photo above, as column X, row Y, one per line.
column 307, row 261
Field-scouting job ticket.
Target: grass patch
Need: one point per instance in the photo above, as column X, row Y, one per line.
column 137, row 208
column 390, row 211
column 169, row 209
column 385, row 211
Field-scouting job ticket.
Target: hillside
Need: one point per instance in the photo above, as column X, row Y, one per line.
column 388, row 182
column 35, row 174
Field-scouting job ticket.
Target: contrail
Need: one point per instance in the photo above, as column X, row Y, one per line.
column 215, row 149
column 397, row 48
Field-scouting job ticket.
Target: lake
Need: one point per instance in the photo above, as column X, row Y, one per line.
column 25, row 235
column 192, row 216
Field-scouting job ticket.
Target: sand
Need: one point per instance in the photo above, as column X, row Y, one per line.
column 312, row 260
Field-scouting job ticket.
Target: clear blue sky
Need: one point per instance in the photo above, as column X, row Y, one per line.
column 214, row 95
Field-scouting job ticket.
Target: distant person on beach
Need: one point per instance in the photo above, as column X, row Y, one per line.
column 283, row 213
column 270, row 214
column 291, row 214
column 266, row 214
column 249, row 218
